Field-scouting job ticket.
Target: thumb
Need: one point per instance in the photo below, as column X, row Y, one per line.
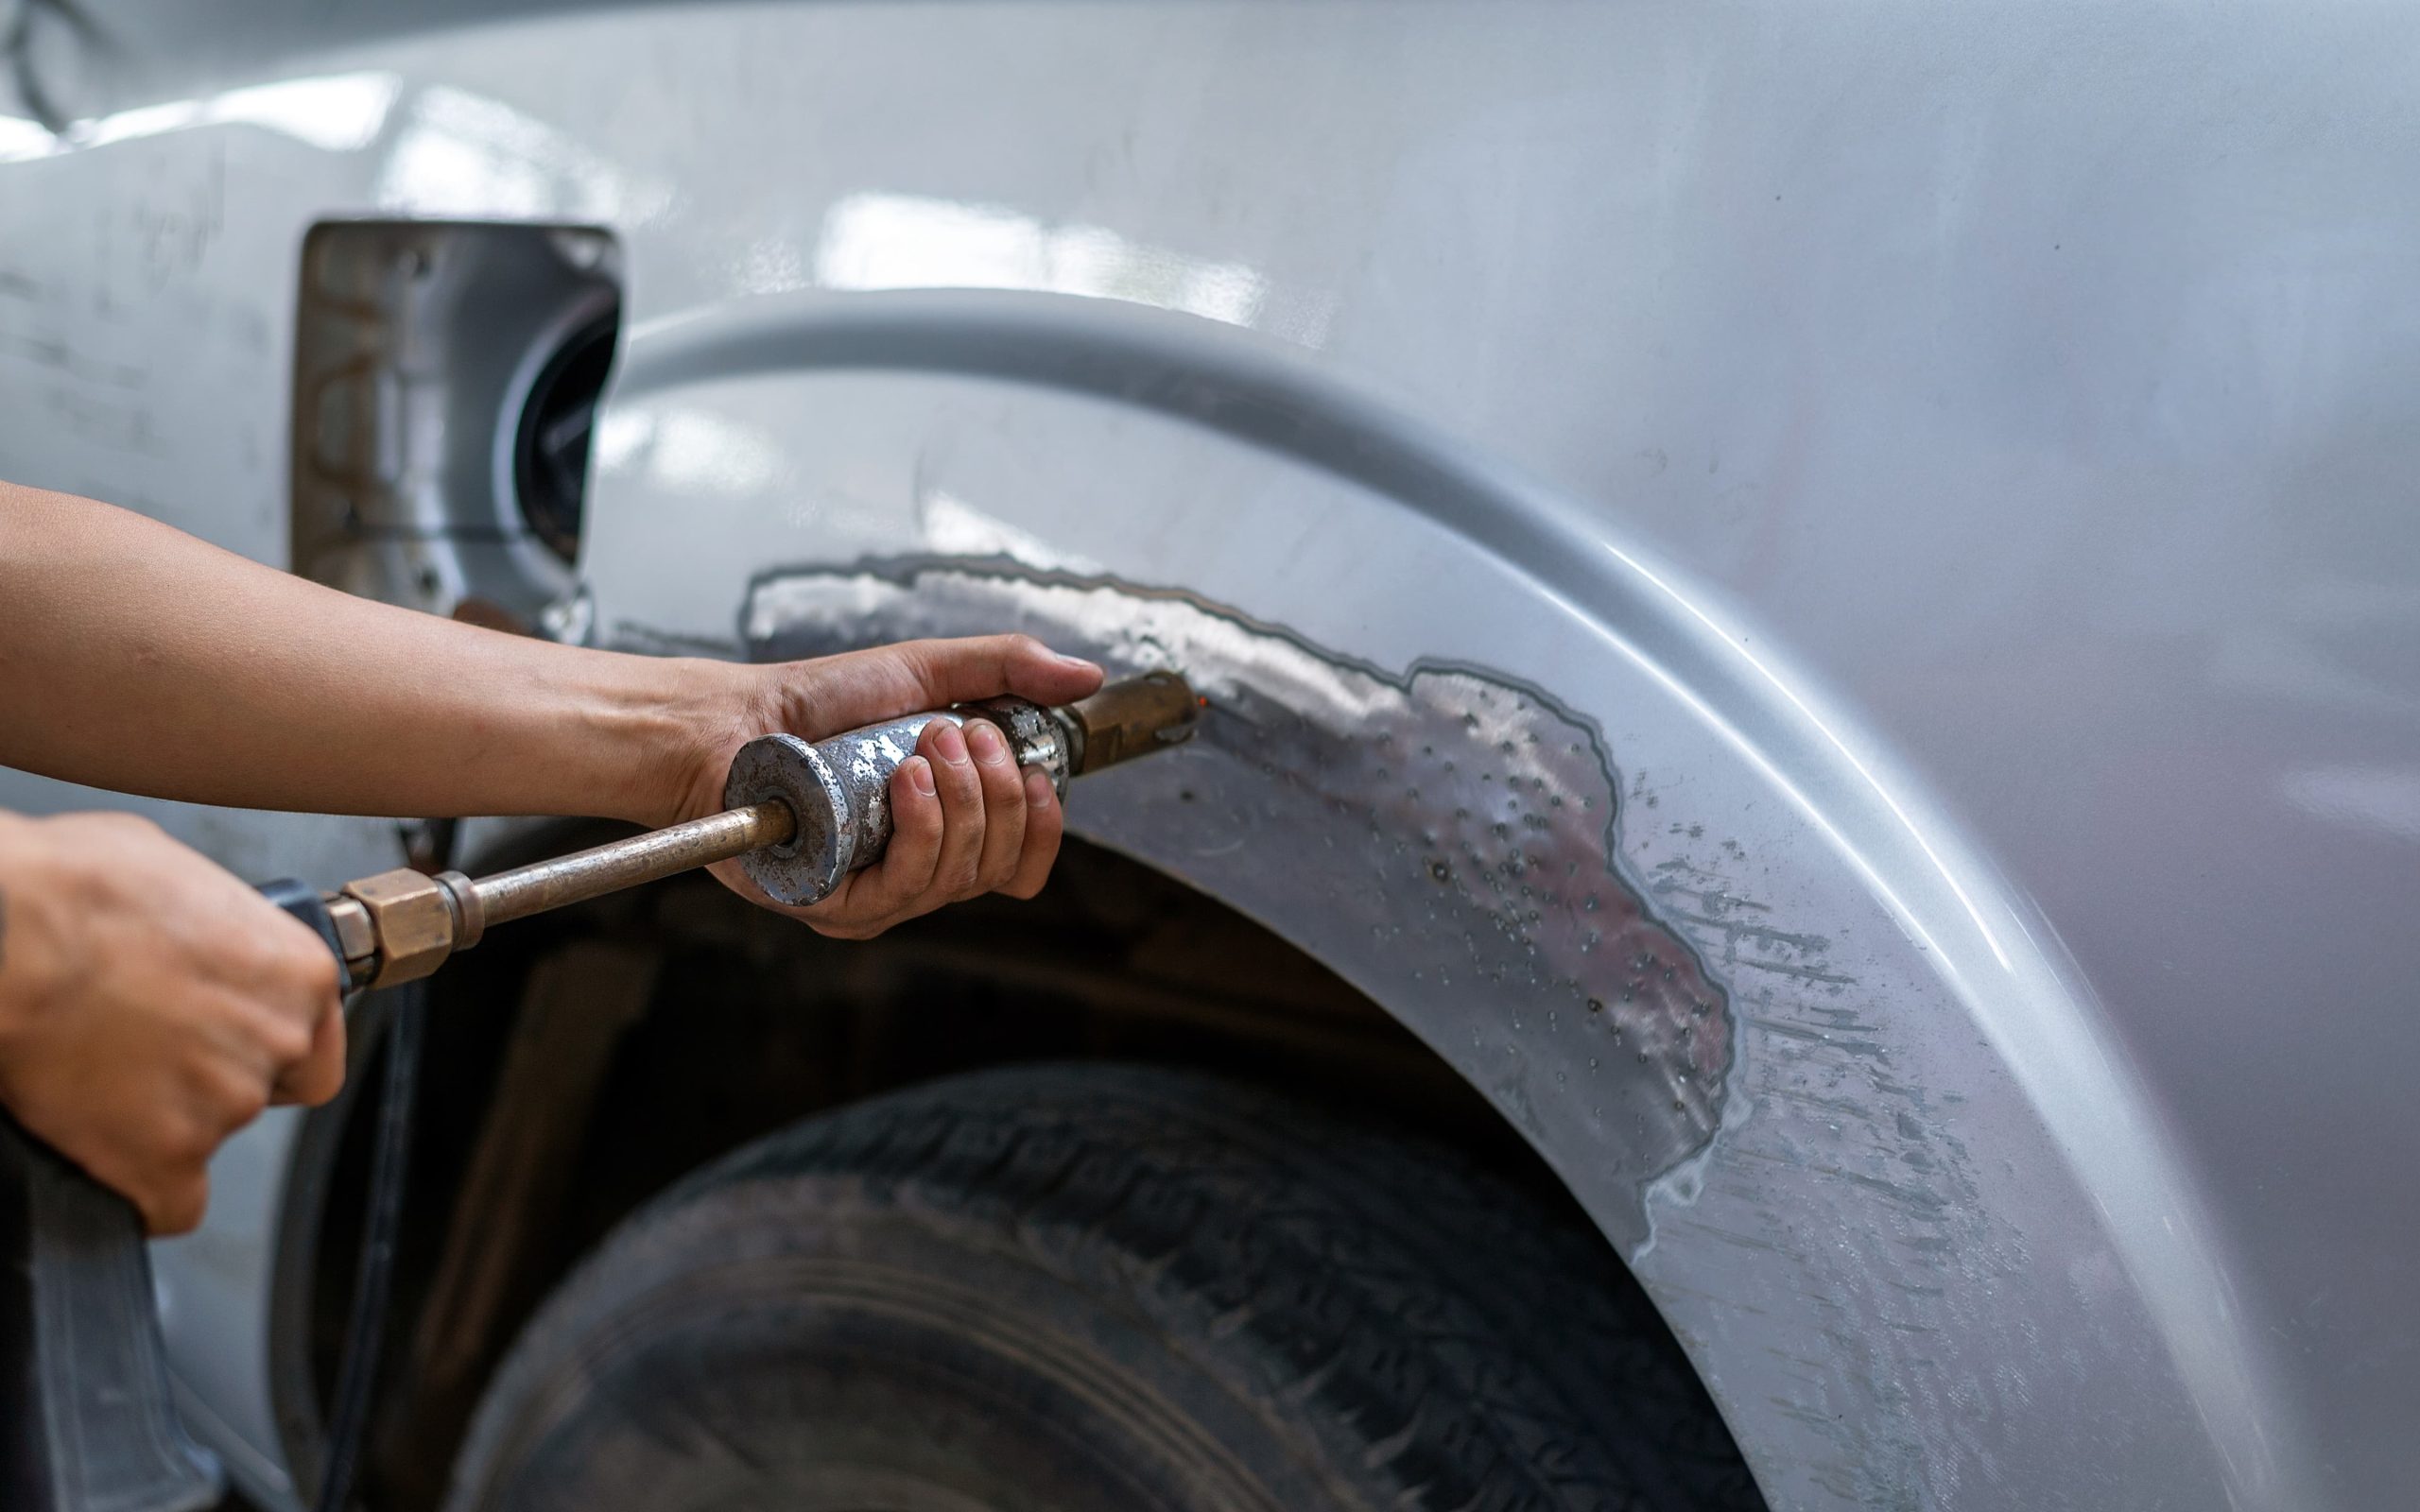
column 861, row 687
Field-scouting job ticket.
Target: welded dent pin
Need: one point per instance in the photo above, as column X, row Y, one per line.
column 802, row 815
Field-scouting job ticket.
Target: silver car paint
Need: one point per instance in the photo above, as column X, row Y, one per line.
column 1950, row 458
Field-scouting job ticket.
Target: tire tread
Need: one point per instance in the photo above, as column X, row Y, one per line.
column 1454, row 1343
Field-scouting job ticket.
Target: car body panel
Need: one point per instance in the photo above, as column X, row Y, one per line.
column 1945, row 463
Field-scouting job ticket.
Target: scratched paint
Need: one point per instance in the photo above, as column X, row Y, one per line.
column 1443, row 835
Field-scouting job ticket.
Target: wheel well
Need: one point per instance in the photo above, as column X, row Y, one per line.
column 581, row 1063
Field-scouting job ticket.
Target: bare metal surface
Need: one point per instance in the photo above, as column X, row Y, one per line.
column 600, row 869
column 1446, row 836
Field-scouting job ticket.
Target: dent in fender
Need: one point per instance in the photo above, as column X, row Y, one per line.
column 1444, row 832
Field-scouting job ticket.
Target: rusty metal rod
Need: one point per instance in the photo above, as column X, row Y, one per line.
column 594, row 872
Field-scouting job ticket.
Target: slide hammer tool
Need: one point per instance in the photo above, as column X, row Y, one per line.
column 86, row 1423
column 802, row 815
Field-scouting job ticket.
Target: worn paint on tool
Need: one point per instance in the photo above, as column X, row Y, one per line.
column 1445, row 832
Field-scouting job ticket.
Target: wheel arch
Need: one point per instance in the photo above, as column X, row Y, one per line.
column 582, row 1065
column 1919, row 1127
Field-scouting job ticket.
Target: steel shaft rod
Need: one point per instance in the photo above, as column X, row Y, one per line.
column 804, row 816
column 594, row 872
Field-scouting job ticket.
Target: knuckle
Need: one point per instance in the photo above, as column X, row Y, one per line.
column 128, row 826
column 251, row 955
column 316, row 974
column 239, row 1101
column 177, row 1206
column 223, row 1102
column 321, row 1088
column 1008, row 797
column 186, row 1143
column 285, row 1040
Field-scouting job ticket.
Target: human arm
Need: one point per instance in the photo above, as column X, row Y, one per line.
column 163, row 666
column 150, row 1004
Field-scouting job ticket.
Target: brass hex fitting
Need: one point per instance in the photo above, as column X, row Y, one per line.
column 1133, row 718
column 415, row 921
column 356, row 939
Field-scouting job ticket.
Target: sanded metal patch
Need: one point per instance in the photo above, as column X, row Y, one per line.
column 1444, row 837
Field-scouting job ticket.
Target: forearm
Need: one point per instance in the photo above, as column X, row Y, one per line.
column 136, row 658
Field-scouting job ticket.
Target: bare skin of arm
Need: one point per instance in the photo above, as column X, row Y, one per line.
column 136, row 658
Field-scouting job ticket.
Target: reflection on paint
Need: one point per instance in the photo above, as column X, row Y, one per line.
column 334, row 113
column 462, row 154
column 20, row 139
column 952, row 526
column 689, row 450
column 885, row 241
column 2383, row 801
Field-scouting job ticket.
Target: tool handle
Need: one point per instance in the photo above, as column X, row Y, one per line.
column 87, row 1424
column 86, row 1420
column 840, row 788
column 310, row 906
column 865, row 761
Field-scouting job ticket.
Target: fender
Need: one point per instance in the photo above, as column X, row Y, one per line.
column 1570, row 816
column 2033, row 317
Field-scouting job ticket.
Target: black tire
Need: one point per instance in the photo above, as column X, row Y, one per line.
column 1094, row 1287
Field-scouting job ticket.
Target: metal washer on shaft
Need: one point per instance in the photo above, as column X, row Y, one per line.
column 786, row 769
